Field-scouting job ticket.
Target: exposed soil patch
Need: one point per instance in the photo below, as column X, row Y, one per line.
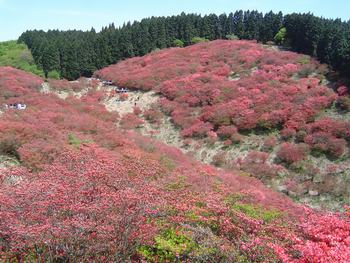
column 143, row 100
column 45, row 88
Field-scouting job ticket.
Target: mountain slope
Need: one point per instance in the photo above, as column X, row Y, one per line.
column 89, row 191
column 264, row 111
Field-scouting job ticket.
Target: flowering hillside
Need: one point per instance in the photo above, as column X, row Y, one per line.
column 222, row 91
column 228, row 83
column 14, row 83
column 87, row 191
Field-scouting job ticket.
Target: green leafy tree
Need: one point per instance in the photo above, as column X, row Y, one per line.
column 238, row 24
column 280, row 36
column 50, row 58
column 271, row 25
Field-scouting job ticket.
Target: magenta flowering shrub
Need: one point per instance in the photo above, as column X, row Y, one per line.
column 14, row 83
column 291, row 153
column 256, row 164
column 328, row 136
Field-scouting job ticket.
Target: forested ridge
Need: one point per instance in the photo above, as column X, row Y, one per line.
column 77, row 53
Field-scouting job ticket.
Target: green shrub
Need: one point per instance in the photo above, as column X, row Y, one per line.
column 232, row 37
column 196, row 40
column 179, row 183
column 198, row 245
column 257, row 212
column 304, row 60
column 178, row 43
column 170, row 246
column 235, row 202
column 73, row 140
column 54, row 74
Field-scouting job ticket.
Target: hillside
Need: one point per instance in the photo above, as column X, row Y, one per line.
column 241, row 105
column 86, row 190
column 18, row 56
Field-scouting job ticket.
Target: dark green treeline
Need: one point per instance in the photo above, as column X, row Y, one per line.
column 77, row 53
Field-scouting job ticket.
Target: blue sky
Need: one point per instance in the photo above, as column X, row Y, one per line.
column 16, row 16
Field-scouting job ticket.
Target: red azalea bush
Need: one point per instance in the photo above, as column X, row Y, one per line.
column 291, row 153
column 323, row 143
column 256, row 164
column 14, row 83
column 153, row 115
column 335, row 128
column 328, row 136
column 123, row 96
column 137, row 110
column 344, row 98
column 94, row 96
column 59, row 84
column 75, row 86
column 269, row 144
column 198, row 129
column 342, row 90
column 219, row 159
column 130, row 121
column 328, row 238
column 212, row 136
column 226, row 132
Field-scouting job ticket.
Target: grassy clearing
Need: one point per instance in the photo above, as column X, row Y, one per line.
column 18, row 56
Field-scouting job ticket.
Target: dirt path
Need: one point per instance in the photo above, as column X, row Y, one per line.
column 62, row 94
column 143, row 100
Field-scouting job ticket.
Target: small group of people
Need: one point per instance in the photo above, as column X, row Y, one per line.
column 121, row 90
column 107, row 83
column 137, row 99
column 18, row 106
